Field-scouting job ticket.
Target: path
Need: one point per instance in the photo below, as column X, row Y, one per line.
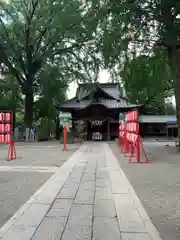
column 87, row 198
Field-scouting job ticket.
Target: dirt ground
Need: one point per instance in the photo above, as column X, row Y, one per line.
column 157, row 184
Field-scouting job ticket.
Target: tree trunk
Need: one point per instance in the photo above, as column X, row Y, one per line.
column 29, row 102
column 176, row 70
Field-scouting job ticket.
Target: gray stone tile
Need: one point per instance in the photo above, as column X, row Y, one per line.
column 104, row 208
column 88, row 177
column 73, row 232
column 88, row 185
column 90, row 171
column 61, row 212
column 130, row 221
column 50, row 191
column 62, row 203
column 70, row 183
column 81, row 215
column 104, row 183
column 105, row 229
column 60, row 208
column 123, row 200
column 103, row 193
column 80, row 220
column 135, row 236
column 82, row 208
column 85, row 197
column 102, row 174
column 118, row 184
column 30, row 217
column 50, row 229
column 19, row 233
column 68, row 192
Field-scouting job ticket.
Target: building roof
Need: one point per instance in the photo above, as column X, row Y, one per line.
column 157, row 119
column 107, row 95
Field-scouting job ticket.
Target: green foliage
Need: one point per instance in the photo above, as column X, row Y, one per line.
column 147, row 80
column 9, row 93
column 52, row 90
column 136, row 28
column 36, row 33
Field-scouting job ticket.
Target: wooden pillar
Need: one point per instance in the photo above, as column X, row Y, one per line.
column 73, row 129
column 108, row 130
column 86, row 130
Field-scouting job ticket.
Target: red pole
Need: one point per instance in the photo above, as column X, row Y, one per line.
column 138, row 149
column 65, row 138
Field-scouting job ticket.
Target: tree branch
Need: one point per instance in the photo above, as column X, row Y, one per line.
column 12, row 69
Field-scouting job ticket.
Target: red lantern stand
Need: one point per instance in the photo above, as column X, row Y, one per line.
column 121, row 136
column 6, row 132
column 133, row 142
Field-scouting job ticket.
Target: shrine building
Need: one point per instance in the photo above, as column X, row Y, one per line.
column 97, row 107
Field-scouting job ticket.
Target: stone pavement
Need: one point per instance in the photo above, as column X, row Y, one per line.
column 87, row 198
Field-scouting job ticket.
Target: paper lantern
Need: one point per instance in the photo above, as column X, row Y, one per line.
column 8, row 117
column 1, row 138
column 1, row 128
column 7, row 138
column 7, row 128
column 1, row 116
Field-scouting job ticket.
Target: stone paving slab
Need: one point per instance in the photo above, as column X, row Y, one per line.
column 104, row 208
column 50, row 228
column 136, row 236
column 106, row 229
column 30, row 217
column 76, row 232
column 20, row 233
column 101, row 209
column 81, row 215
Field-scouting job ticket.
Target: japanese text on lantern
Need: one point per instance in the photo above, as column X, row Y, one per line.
column 5, row 127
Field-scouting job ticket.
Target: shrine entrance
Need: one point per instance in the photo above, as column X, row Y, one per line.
column 97, row 130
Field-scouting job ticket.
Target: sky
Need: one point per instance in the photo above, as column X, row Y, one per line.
column 104, row 77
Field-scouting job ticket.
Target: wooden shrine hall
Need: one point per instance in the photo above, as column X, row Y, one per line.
column 97, row 106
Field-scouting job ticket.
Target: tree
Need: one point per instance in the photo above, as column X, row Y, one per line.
column 52, row 90
column 147, row 80
column 34, row 32
column 137, row 27
column 10, row 98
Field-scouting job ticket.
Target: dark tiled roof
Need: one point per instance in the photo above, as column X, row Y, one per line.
column 109, row 103
column 111, row 89
column 111, row 98
column 114, row 103
column 113, row 92
column 74, row 103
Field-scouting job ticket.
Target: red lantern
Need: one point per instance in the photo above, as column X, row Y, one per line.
column 7, row 128
column 1, row 116
column 1, row 128
column 8, row 117
column 7, row 138
column 1, row 138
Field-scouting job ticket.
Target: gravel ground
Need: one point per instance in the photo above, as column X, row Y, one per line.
column 15, row 189
column 158, row 185
column 38, row 154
